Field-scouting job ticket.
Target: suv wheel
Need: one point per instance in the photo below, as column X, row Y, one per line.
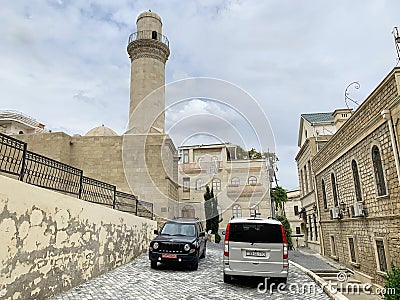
column 227, row 278
column 153, row 264
column 195, row 265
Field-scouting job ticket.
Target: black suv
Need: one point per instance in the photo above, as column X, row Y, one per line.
column 181, row 240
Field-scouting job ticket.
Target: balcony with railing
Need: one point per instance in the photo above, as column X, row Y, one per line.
column 212, row 167
column 244, row 191
column 148, row 35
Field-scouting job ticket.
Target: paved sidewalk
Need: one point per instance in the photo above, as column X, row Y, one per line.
column 310, row 260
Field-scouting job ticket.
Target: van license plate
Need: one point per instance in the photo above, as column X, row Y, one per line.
column 255, row 253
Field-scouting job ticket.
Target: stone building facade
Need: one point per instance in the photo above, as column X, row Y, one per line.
column 293, row 206
column 314, row 131
column 357, row 182
column 241, row 185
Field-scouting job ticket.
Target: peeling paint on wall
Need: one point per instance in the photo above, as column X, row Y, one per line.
column 52, row 242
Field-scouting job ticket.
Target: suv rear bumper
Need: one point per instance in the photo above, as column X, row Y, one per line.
column 282, row 274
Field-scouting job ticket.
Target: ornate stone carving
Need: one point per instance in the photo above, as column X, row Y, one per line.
column 148, row 49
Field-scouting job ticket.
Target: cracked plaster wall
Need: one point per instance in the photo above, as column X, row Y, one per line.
column 50, row 242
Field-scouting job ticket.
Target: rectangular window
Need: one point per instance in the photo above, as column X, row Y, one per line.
column 298, row 230
column 315, row 227
column 185, row 156
column 333, row 247
column 310, row 227
column 380, row 251
column 352, row 249
column 296, row 210
column 186, row 184
column 216, row 184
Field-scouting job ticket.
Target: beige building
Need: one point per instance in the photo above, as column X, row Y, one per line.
column 14, row 122
column 241, row 185
column 144, row 160
column 292, row 209
column 357, row 177
column 314, row 131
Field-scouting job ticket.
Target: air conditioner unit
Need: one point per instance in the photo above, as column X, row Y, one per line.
column 357, row 210
column 335, row 213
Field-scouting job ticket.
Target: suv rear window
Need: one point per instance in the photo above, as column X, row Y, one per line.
column 255, row 233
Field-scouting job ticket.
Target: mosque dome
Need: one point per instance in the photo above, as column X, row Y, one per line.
column 101, row 131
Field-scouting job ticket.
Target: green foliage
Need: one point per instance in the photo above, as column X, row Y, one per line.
column 254, row 154
column 392, row 285
column 212, row 215
column 278, row 194
column 288, row 230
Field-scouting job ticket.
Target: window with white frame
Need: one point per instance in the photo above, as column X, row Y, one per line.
column 381, row 255
column 352, row 249
column 186, row 184
column 252, row 180
column 237, row 211
column 235, row 181
column 216, row 184
column 253, row 210
column 199, row 184
column 185, row 156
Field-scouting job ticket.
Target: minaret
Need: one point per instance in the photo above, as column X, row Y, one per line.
column 148, row 50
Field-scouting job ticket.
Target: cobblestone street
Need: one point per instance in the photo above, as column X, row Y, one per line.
column 137, row 280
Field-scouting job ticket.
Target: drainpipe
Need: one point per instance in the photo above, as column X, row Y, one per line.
column 386, row 115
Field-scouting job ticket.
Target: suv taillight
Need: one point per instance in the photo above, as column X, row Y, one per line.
column 226, row 242
column 285, row 246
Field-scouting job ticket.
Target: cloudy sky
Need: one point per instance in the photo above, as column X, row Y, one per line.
column 64, row 62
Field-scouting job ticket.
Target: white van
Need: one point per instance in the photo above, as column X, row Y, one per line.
column 255, row 247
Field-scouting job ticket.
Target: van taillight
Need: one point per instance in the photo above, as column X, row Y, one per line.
column 285, row 246
column 226, row 242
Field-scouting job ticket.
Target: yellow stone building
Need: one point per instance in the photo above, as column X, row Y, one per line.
column 357, row 177
column 241, row 185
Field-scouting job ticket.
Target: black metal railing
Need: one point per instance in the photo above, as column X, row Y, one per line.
column 148, row 35
column 51, row 174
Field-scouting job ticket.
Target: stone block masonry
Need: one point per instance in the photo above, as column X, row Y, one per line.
column 52, row 242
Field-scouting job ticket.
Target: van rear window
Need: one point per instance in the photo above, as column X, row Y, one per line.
column 255, row 233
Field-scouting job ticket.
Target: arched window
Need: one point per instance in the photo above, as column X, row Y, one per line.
column 199, row 184
column 216, row 184
column 235, row 181
column 378, row 170
column 324, row 194
column 356, row 179
column 188, row 211
column 334, row 190
column 252, row 180
column 253, row 210
column 237, row 211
